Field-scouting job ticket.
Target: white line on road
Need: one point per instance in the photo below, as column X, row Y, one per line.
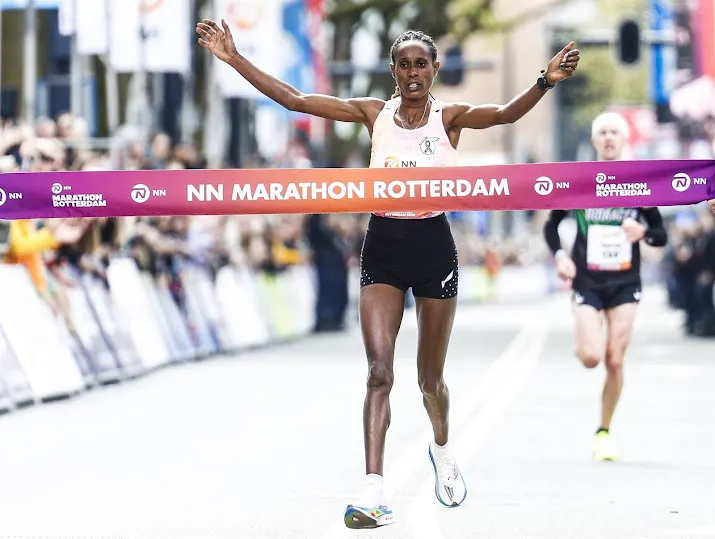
column 672, row 371
column 703, row 531
column 464, row 411
column 475, row 429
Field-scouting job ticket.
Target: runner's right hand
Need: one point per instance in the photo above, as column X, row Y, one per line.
column 566, row 268
column 711, row 204
column 216, row 40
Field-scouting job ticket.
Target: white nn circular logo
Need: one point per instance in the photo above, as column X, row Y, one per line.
column 56, row 188
column 140, row 193
column 543, row 186
column 3, row 197
column 601, row 177
column 681, row 182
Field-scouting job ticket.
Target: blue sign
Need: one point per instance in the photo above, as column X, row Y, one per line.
column 299, row 69
column 663, row 56
column 299, row 72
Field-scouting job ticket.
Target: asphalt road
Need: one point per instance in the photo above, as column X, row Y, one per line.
column 268, row 444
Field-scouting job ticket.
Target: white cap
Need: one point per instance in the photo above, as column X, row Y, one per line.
column 612, row 119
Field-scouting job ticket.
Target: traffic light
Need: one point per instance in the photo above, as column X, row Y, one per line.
column 629, row 42
column 452, row 71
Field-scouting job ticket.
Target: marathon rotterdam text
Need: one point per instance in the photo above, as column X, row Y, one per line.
column 78, row 201
column 349, row 190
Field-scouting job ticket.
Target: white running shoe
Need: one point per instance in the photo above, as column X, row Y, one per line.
column 360, row 518
column 449, row 485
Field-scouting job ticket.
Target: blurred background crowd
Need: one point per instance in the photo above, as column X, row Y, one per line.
column 83, row 112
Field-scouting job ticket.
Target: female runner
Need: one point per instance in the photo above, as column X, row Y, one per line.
column 406, row 249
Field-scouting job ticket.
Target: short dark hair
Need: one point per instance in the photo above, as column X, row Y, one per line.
column 414, row 35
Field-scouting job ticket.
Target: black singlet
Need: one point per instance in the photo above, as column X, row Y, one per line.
column 602, row 256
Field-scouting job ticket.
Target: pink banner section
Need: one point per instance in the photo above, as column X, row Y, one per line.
column 403, row 187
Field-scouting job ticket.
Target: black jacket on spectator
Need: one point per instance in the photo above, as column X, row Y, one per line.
column 330, row 253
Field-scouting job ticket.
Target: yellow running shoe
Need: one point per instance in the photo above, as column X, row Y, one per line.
column 603, row 446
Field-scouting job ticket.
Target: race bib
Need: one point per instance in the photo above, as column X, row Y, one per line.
column 395, row 161
column 414, row 160
column 608, row 248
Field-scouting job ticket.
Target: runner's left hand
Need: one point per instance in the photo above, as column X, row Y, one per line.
column 564, row 64
column 635, row 231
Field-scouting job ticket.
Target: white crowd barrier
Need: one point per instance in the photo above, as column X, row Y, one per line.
column 135, row 325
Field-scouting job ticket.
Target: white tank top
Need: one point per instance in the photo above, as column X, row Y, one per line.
column 394, row 147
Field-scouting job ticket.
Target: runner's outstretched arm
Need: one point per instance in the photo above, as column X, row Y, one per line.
column 220, row 43
column 561, row 67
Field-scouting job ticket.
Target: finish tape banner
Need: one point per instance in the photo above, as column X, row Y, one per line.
column 538, row 186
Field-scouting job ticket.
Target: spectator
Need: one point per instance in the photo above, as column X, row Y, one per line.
column 690, row 271
column 27, row 244
column 331, row 251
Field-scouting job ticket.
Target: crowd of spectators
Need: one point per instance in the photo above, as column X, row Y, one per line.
column 689, row 266
column 266, row 243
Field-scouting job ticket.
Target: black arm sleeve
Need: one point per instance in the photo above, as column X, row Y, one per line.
column 551, row 229
column 655, row 234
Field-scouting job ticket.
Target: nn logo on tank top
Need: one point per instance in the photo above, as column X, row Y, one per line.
column 395, row 162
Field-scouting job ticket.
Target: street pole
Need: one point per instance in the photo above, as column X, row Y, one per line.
column 499, row 219
column 142, row 79
column 29, row 79
column 188, row 113
column 112, row 83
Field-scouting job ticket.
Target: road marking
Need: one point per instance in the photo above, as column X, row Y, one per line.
column 707, row 531
column 473, row 432
column 671, row 372
column 416, row 461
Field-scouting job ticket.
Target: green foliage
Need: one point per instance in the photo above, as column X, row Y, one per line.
column 611, row 12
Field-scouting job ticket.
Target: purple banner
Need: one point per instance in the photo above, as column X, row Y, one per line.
column 402, row 187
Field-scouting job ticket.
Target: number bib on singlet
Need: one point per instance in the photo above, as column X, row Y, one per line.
column 608, row 248
column 395, row 161
column 412, row 161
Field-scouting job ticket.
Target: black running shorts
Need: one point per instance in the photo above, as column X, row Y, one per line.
column 411, row 253
column 605, row 298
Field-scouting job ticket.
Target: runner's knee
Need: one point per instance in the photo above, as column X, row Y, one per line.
column 380, row 376
column 616, row 349
column 430, row 385
column 589, row 357
column 614, row 356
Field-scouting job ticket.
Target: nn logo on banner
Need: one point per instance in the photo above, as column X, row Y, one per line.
column 4, row 196
column 141, row 193
column 682, row 182
column 544, row 185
